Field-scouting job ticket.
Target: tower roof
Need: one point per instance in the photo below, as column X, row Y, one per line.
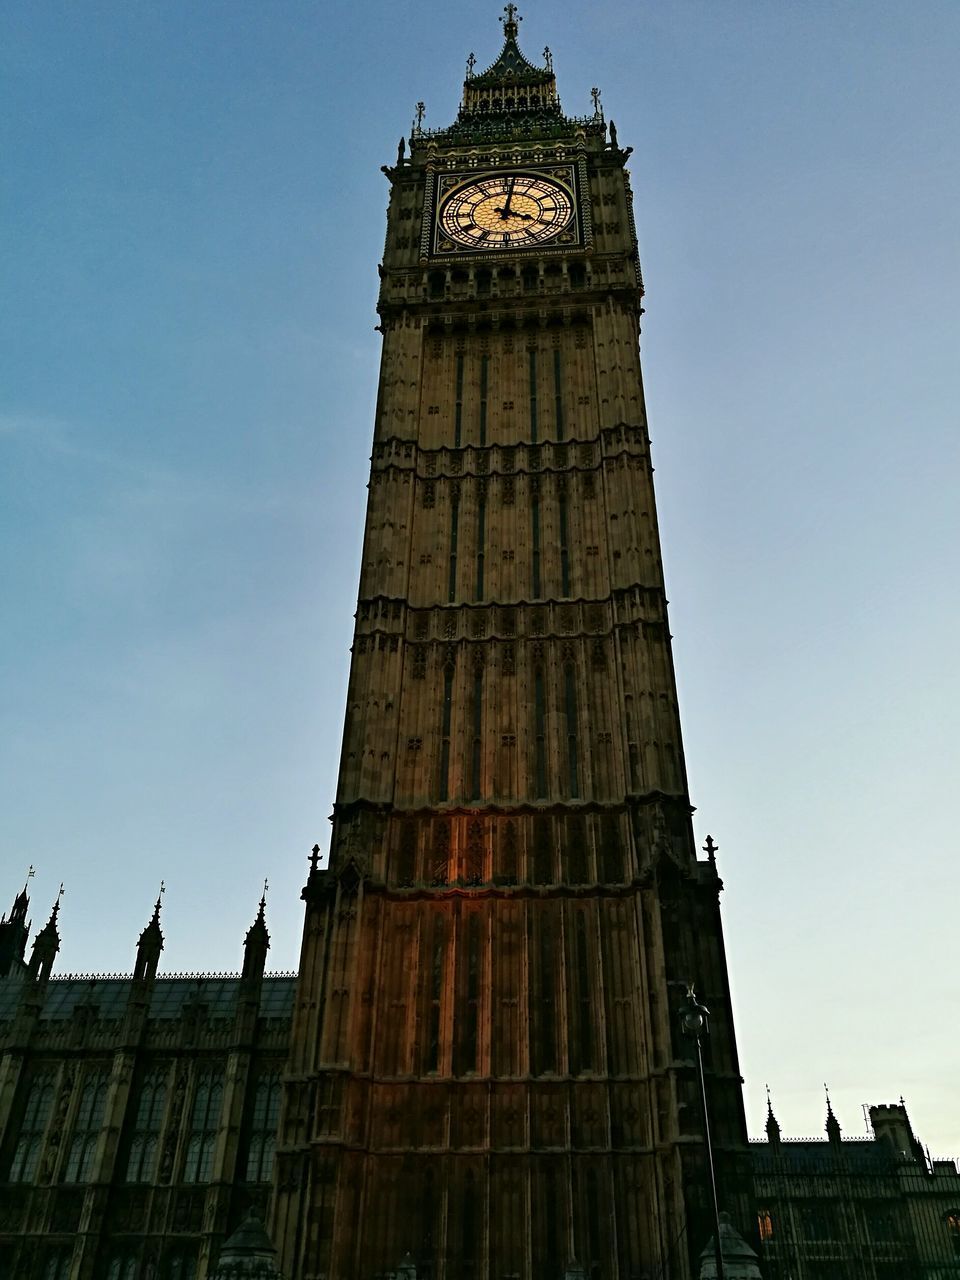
column 512, row 98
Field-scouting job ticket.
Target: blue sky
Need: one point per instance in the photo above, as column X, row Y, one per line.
column 193, row 212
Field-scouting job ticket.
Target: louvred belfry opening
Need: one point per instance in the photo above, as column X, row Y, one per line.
column 487, row 1076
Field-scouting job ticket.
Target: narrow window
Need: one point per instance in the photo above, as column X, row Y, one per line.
column 458, row 414
column 467, row 1040
column 575, row 852
column 469, row 1252
column 765, row 1224
column 953, row 1230
column 144, row 1144
column 564, row 548
column 584, row 1046
column 533, row 394
column 573, row 750
column 558, row 392
column 477, row 752
column 263, row 1127
column 454, row 523
column 543, row 850
column 446, row 717
column 545, row 1050
column 535, row 529
column 182, row 1264
column 481, row 539
column 540, row 734
column 508, row 859
column 122, row 1264
column 407, row 854
column 611, row 853
column 86, row 1130
column 57, row 1262
column 484, row 378
column 36, row 1116
column 436, row 992
column 204, row 1119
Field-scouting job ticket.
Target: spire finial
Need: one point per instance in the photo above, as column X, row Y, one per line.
column 710, row 849
column 511, row 23
column 156, row 905
column 471, row 63
column 417, row 127
column 30, row 874
column 548, row 57
column 595, row 95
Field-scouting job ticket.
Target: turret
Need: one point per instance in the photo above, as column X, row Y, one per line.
column 45, row 946
column 256, row 944
column 772, row 1127
column 891, row 1125
column 833, row 1125
column 14, row 932
column 149, row 946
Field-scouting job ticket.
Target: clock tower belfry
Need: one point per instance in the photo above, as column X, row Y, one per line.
column 487, row 1076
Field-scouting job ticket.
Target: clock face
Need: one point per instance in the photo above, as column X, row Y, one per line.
column 506, row 211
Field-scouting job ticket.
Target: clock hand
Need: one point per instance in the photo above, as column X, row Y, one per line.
column 514, row 213
column 505, row 211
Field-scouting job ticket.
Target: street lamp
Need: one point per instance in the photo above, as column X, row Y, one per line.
column 695, row 1022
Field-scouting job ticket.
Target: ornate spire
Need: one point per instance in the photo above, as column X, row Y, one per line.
column 511, row 86
column 833, row 1125
column 150, row 943
column 772, row 1127
column 46, row 944
column 257, row 942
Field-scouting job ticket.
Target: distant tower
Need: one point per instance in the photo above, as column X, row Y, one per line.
column 45, row 946
column 487, row 1075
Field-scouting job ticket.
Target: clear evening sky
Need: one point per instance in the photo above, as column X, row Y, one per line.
column 193, row 212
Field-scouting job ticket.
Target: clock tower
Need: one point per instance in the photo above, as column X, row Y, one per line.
column 487, row 1076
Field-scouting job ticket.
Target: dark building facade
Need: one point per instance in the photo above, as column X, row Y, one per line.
column 872, row 1208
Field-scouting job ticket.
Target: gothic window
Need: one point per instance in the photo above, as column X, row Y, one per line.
column 558, row 393
column 570, row 711
column 435, row 996
column 458, row 415
column 407, row 854
column 535, row 539
column 953, row 1230
column 446, row 719
column 765, row 1224
column 36, row 1116
column 57, row 1262
column 181, row 1264
column 87, row 1128
column 474, row 858
column 441, row 853
column 544, row 1049
column 204, row 1121
column 476, row 763
column 564, row 547
column 611, row 852
column 454, row 529
column 543, row 872
column 484, row 381
column 540, row 734
column 263, row 1127
column 481, row 538
column 122, row 1264
column 575, row 840
column 532, row 370
column 581, row 1046
column 508, row 854
column 467, row 1038
column 145, row 1141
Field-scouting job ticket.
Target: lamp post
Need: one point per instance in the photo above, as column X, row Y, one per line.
column 695, row 1022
